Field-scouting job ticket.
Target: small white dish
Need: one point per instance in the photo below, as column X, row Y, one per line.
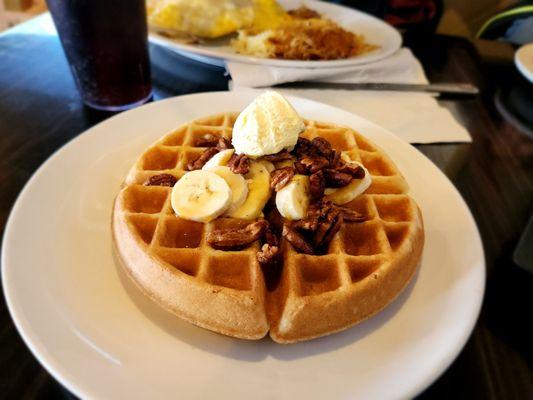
column 101, row 338
column 523, row 59
column 375, row 31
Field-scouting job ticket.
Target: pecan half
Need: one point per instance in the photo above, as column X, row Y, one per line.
column 161, row 180
column 223, row 144
column 297, row 240
column 283, row 155
column 334, row 159
column 319, row 208
column 268, row 254
column 202, row 159
column 356, row 171
column 313, row 164
column 303, row 147
column 207, row 140
column 349, row 215
column 327, row 228
column 270, row 251
column 235, row 238
column 335, row 227
column 309, row 224
column 322, row 145
column 281, row 177
column 336, row 179
column 323, row 220
column 317, row 184
column 314, row 213
column 239, row 164
column 300, row 168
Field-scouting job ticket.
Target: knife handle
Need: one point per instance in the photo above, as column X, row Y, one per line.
column 454, row 88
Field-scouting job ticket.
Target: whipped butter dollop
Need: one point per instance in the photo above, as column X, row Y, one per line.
column 266, row 126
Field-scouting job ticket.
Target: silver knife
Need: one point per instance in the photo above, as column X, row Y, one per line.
column 464, row 89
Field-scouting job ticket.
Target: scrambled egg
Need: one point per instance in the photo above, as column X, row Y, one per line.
column 213, row 18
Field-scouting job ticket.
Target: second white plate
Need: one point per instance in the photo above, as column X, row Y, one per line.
column 375, row 31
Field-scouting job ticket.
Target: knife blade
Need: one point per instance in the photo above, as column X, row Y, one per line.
column 453, row 89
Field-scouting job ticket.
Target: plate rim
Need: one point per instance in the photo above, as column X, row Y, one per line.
column 62, row 375
column 186, row 50
column 525, row 70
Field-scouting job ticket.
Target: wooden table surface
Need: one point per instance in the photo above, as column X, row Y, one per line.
column 40, row 110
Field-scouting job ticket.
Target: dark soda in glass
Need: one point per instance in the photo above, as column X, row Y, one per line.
column 106, row 45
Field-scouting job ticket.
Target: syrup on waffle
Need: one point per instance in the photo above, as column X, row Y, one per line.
column 365, row 267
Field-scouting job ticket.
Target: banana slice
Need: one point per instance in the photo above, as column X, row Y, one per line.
column 200, row 196
column 219, row 159
column 350, row 191
column 293, row 199
column 237, row 184
column 258, row 191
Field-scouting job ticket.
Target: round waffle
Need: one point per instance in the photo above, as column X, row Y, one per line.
column 366, row 266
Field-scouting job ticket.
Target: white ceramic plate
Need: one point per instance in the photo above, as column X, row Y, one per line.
column 523, row 59
column 374, row 30
column 102, row 338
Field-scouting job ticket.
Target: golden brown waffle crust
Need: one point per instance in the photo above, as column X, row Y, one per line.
column 366, row 268
column 310, row 317
column 219, row 309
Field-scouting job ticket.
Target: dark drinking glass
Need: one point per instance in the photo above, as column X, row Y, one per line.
column 106, row 45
